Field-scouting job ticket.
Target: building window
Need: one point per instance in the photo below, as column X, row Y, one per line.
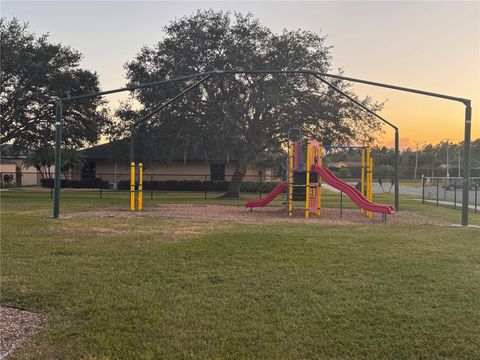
column 217, row 172
column 88, row 170
column 268, row 174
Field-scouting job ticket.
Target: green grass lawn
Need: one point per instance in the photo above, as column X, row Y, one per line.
column 161, row 288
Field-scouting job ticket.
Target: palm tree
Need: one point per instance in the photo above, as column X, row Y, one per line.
column 43, row 158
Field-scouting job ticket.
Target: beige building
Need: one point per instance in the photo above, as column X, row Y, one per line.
column 98, row 164
column 12, row 170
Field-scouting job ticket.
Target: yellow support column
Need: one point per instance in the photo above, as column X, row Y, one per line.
column 367, row 177
column 290, row 179
column 140, row 187
column 370, row 168
column 362, row 180
column 132, row 186
column 307, row 184
column 319, row 196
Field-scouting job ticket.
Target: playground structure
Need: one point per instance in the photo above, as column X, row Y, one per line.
column 136, row 193
column 304, row 72
column 305, row 173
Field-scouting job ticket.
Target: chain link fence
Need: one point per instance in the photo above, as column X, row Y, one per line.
column 194, row 187
column 434, row 190
column 103, row 183
column 449, row 191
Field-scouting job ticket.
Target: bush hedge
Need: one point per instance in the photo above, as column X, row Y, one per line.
column 254, row 186
column 197, row 185
column 77, row 184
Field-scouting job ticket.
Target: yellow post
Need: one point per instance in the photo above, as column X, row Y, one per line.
column 367, row 177
column 132, row 186
column 362, row 180
column 370, row 168
column 140, row 187
column 319, row 197
column 290, row 179
column 307, row 183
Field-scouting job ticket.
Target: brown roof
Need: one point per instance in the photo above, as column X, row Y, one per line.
column 352, row 163
column 348, row 164
column 102, row 152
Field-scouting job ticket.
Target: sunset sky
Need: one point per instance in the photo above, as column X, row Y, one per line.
column 432, row 46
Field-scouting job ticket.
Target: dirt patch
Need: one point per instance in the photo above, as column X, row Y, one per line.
column 16, row 327
column 109, row 224
column 261, row 215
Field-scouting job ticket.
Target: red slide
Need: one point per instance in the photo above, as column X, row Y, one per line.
column 280, row 188
column 356, row 196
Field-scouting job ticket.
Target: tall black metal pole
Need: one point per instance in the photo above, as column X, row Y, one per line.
column 58, row 158
column 466, row 162
column 397, row 171
column 132, row 144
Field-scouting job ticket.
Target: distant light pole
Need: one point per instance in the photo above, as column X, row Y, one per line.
column 416, row 158
column 448, row 173
column 416, row 163
column 459, row 173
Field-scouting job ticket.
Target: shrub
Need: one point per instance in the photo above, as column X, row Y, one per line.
column 344, row 173
column 77, row 184
column 383, row 171
column 197, row 185
column 254, row 186
column 7, row 180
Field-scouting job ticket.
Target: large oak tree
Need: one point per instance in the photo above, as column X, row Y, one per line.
column 34, row 74
column 241, row 117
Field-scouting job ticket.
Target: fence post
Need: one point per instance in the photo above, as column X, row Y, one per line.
column 260, row 180
column 100, row 187
column 476, row 196
column 455, row 194
column 205, row 188
column 437, row 192
column 341, row 204
column 151, row 186
column 51, row 192
column 423, row 189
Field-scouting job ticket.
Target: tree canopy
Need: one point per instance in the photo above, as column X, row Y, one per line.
column 35, row 73
column 241, row 117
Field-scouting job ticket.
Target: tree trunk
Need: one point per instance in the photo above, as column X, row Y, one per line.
column 233, row 190
column 42, row 174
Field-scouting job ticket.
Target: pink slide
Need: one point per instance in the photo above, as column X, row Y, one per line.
column 356, row 196
column 280, row 188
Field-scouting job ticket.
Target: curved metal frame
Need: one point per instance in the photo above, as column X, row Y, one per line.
column 316, row 74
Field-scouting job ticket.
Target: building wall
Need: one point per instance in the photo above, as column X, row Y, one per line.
column 107, row 170
column 29, row 175
column 4, row 170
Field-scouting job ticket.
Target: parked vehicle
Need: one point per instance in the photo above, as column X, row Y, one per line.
column 456, row 182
